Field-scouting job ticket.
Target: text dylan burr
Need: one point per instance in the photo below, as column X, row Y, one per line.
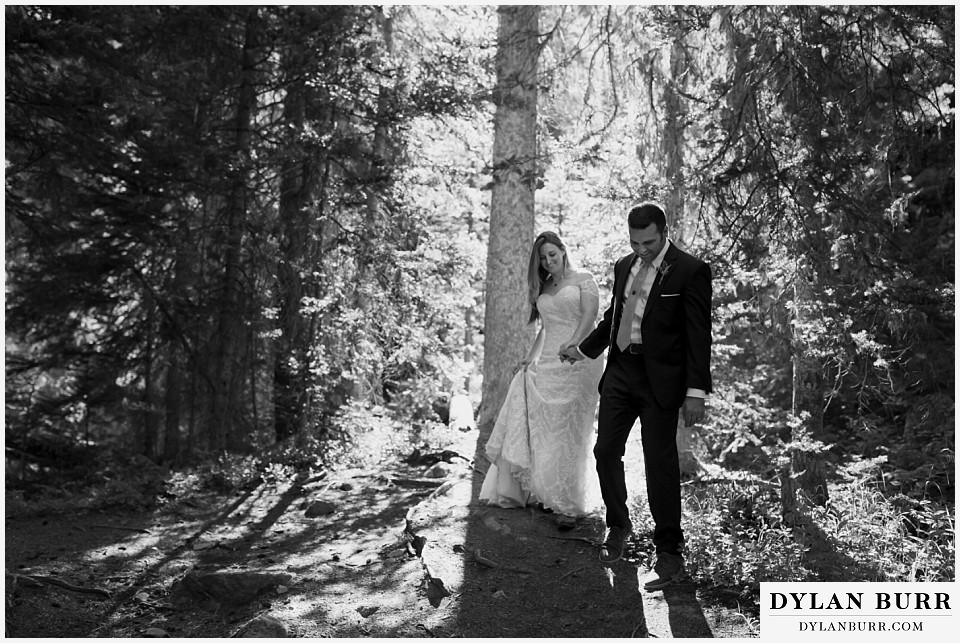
column 855, row 601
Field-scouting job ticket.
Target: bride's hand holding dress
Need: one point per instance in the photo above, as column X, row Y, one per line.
column 541, row 445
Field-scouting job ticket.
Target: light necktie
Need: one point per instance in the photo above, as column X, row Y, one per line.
column 630, row 307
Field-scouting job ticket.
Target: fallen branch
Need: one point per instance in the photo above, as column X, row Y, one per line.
column 245, row 622
column 580, row 538
column 573, row 571
column 446, row 486
column 53, row 580
column 487, row 562
column 483, row 560
column 25, row 580
column 137, row 529
column 421, row 626
column 417, row 482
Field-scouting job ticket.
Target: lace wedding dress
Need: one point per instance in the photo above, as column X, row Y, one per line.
column 541, row 446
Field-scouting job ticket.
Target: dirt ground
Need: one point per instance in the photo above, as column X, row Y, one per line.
column 381, row 553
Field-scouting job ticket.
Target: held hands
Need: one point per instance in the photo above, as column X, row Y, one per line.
column 569, row 353
column 693, row 410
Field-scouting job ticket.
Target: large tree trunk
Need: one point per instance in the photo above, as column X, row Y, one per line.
column 805, row 477
column 183, row 269
column 292, row 368
column 469, row 349
column 671, row 152
column 805, row 480
column 172, row 404
column 228, row 373
column 506, row 332
column 738, row 61
column 672, row 138
column 150, row 420
column 372, row 283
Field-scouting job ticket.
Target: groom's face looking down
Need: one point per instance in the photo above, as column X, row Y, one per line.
column 647, row 242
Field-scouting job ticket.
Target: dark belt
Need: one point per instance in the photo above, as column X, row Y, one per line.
column 634, row 349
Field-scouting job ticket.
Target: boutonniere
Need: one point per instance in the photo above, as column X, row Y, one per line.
column 664, row 269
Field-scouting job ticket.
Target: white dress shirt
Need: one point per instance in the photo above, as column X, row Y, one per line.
column 635, row 336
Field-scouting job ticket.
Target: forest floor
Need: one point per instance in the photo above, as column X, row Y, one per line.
column 378, row 552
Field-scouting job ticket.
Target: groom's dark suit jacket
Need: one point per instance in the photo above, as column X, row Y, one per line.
column 675, row 328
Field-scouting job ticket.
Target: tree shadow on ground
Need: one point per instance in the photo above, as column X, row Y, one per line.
column 115, row 551
column 548, row 583
column 257, row 531
column 824, row 558
column 347, row 559
column 153, row 570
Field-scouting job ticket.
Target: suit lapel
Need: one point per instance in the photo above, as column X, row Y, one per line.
column 668, row 260
column 623, row 274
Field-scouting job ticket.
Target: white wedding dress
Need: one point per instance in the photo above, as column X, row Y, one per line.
column 541, row 447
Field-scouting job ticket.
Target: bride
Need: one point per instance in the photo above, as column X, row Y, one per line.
column 541, row 447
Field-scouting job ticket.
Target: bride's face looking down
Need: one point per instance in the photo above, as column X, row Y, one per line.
column 552, row 260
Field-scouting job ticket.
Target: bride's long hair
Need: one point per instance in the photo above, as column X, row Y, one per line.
column 537, row 275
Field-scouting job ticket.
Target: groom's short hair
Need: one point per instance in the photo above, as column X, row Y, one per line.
column 646, row 213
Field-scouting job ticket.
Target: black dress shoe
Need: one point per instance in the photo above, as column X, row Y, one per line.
column 667, row 570
column 612, row 548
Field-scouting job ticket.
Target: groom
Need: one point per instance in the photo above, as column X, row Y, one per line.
column 658, row 330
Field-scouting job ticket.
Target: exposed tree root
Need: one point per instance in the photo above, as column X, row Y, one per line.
column 38, row 581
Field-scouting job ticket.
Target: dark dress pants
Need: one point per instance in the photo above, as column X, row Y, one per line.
column 626, row 396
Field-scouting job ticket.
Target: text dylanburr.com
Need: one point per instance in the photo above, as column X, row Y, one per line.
column 902, row 610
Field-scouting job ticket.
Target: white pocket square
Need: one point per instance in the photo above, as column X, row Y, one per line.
column 676, row 294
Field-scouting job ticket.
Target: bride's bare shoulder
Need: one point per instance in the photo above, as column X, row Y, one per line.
column 581, row 276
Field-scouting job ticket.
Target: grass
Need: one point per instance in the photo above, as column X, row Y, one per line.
column 736, row 539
